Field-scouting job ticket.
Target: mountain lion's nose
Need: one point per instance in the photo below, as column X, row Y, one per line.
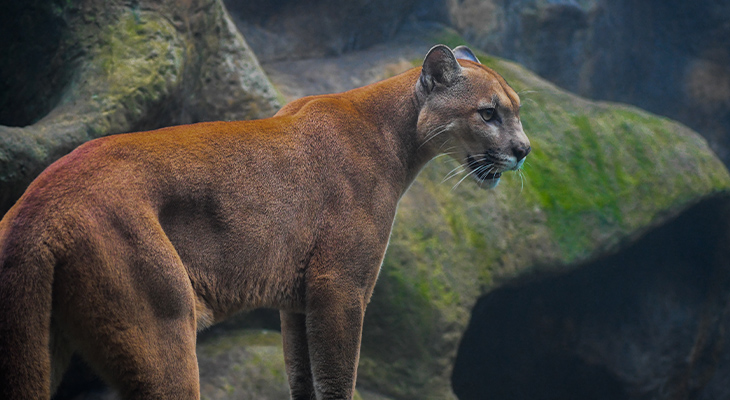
column 521, row 152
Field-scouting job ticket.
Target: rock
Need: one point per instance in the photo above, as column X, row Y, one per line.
column 599, row 176
column 234, row 364
column 292, row 30
column 110, row 67
column 645, row 322
column 242, row 364
column 641, row 53
column 623, row 210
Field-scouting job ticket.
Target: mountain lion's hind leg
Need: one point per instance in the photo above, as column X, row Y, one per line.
column 131, row 312
column 146, row 362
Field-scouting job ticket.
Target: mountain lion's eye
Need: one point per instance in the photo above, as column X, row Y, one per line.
column 487, row 114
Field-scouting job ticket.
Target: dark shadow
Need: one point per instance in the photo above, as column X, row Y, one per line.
column 33, row 68
column 79, row 382
column 642, row 323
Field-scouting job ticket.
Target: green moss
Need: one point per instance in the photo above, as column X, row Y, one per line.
column 240, row 338
column 243, row 363
column 598, row 175
column 597, row 168
column 139, row 61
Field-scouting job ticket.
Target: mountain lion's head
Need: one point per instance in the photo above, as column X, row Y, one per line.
column 471, row 113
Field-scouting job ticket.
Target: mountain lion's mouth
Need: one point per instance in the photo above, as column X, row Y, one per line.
column 485, row 176
column 483, row 169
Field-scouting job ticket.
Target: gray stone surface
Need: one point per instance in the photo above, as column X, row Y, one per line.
column 669, row 57
column 120, row 68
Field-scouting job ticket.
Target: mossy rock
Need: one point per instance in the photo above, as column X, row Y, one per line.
column 120, row 67
column 600, row 175
column 243, row 364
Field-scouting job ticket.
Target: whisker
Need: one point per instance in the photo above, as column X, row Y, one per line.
column 432, row 134
column 462, row 179
column 448, row 175
column 463, row 167
column 443, row 154
column 482, row 180
column 524, row 173
column 450, row 150
column 475, row 171
column 480, row 169
column 444, row 144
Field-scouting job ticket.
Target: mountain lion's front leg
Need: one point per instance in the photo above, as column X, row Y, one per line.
column 296, row 355
column 334, row 326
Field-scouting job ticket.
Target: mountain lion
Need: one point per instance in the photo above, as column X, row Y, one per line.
column 123, row 249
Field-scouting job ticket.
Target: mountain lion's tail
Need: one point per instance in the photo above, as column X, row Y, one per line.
column 26, row 280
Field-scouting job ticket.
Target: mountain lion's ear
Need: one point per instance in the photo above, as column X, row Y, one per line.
column 465, row 53
column 439, row 68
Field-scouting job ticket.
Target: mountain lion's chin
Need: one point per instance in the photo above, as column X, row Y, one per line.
column 489, row 183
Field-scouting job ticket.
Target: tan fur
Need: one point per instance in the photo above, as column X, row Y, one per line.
column 121, row 250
